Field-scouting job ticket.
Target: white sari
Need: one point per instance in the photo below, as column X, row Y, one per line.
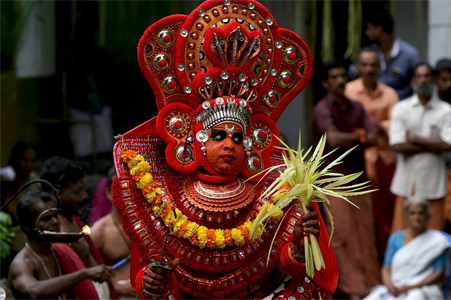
column 411, row 265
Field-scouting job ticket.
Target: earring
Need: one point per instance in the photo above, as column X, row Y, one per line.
column 202, row 137
column 247, row 143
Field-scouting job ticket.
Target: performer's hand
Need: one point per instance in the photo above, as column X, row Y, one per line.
column 99, row 273
column 308, row 223
column 155, row 279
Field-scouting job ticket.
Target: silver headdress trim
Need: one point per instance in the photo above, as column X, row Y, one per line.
column 224, row 111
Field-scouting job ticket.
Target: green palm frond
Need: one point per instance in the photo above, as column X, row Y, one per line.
column 303, row 176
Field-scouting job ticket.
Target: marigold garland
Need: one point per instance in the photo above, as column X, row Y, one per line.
column 176, row 221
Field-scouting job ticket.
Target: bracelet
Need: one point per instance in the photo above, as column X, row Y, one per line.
column 151, row 295
column 296, row 254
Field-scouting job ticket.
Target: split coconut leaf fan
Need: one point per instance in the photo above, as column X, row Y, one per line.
column 306, row 178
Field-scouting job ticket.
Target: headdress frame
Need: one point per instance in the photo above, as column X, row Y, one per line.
column 172, row 57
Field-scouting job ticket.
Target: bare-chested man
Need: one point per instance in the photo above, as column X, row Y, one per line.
column 114, row 245
column 63, row 173
column 49, row 271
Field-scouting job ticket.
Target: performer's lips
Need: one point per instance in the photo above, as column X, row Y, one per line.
column 228, row 157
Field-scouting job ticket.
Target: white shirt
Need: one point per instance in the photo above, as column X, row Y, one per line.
column 422, row 174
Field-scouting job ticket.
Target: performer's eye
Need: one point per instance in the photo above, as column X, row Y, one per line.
column 237, row 138
column 218, row 135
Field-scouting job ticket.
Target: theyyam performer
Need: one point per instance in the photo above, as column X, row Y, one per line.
column 186, row 191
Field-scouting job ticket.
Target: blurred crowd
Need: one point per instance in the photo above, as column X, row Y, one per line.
column 396, row 112
column 391, row 105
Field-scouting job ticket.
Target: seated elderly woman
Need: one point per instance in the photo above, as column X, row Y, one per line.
column 415, row 259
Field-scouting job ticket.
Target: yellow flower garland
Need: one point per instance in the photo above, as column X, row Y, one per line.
column 175, row 220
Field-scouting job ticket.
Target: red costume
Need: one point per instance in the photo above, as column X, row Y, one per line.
column 222, row 76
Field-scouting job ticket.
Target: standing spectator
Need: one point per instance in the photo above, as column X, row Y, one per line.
column 42, row 270
column 420, row 132
column 443, row 80
column 378, row 100
column 347, row 125
column 114, row 245
column 64, row 174
column 397, row 57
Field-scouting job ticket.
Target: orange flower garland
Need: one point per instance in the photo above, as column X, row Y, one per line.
column 179, row 224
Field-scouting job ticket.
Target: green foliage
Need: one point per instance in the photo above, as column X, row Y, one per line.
column 306, row 179
column 6, row 234
column 354, row 29
column 328, row 36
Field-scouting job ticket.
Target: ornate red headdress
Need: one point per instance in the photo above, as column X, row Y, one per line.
column 223, row 62
column 226, row 65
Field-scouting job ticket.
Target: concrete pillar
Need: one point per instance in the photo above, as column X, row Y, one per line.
column 36, row 51
column 439, row 28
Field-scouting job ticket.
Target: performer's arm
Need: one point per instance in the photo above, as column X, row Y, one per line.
column 326, row 279
column 23, row 280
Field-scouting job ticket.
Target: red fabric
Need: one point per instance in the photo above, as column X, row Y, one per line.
column 96, row 254
column 135, row 263
column 300, row 81
column 288, row 265
column 161, row 98
column 223, row 33
column 327, row 279
column 70, row 262
column 172, row 138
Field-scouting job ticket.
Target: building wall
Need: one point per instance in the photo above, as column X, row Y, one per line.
column 411, row 23
column 439, row 29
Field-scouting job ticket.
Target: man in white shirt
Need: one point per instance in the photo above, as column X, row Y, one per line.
column 420, row 132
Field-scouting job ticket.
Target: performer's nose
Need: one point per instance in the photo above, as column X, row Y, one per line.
column 229, row 144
